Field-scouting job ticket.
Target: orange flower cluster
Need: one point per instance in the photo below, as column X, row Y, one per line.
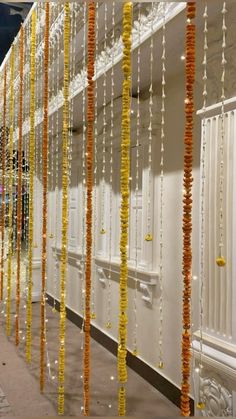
column 89, row 184
column 3, row 140
column 19, row 187
column 187, row 207
column 44, row 181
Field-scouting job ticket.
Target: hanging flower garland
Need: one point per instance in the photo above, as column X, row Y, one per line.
column 187, row 207
column 44, row 182
column 89, row 183
column 31, row 189
column 3, row 141
column 64, row 227
column 124, row 212
column 10, row 203
column 19, row 187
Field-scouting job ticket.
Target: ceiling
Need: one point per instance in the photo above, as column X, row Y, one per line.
column 11, row 17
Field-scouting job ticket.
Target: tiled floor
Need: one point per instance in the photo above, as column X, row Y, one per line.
column 20, row 383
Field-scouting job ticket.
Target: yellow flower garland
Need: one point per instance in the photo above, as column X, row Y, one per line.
column 31, row 189
column 10, row 179
column 3, row 178
column 89, row 210
column 64, row 227
column 44, row 181
column 19, row 188
column 124, row 212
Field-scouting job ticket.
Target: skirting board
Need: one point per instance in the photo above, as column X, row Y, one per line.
column 164, row 386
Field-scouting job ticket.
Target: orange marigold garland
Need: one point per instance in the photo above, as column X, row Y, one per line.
column 89, row 184
column 64, row 226
column 19, row 188
column 124, row 211
column 44, row 182
column 3, row 161
column 187, row 207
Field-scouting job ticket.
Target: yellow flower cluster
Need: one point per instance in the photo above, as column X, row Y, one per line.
column 64, row 227
column 31, row 189
column 10, row 179
column 124, row 212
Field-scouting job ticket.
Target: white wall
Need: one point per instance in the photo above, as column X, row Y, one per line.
column 148, row 316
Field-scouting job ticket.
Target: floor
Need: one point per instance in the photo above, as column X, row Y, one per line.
column 20, row 383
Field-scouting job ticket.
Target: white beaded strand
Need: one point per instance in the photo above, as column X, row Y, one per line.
column 163, row 98
column 148, row 236
column 220, row 259
column 108, row 320
column 203, row 174
column 104, row 133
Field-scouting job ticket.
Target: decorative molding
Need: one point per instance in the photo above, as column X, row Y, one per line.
column 145, row 26
column 216, row 398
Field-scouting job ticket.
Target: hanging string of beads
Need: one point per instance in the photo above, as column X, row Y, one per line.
column 31, row 189
column 19, row 186
column 137, row 169
column 93, row 314
column 187, row 206
column 83, row 176
column 103, row 230
column 64, row 214
column 163, row 97
column 108, row 322
column 148, row 236
column 44, row 184
column 9, row 190
column 124, row 212
column 200, row 403
column 220, row 260
column 89, row 183
column 3, row 180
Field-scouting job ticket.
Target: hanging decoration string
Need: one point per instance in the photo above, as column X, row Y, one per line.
column 148, row 236
column 102, row 230
column 108, row 322
column 19, row 187
column 89, row 183
column 44, row 184
column 64, row 214
column 10, row 203
column 135, row 329
column 163, row 97
column 187, row 207
column 3, row 181
column 31, row 189
column 200, row 403
column 124, row 212
column 93, row 314
column 220, row 260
